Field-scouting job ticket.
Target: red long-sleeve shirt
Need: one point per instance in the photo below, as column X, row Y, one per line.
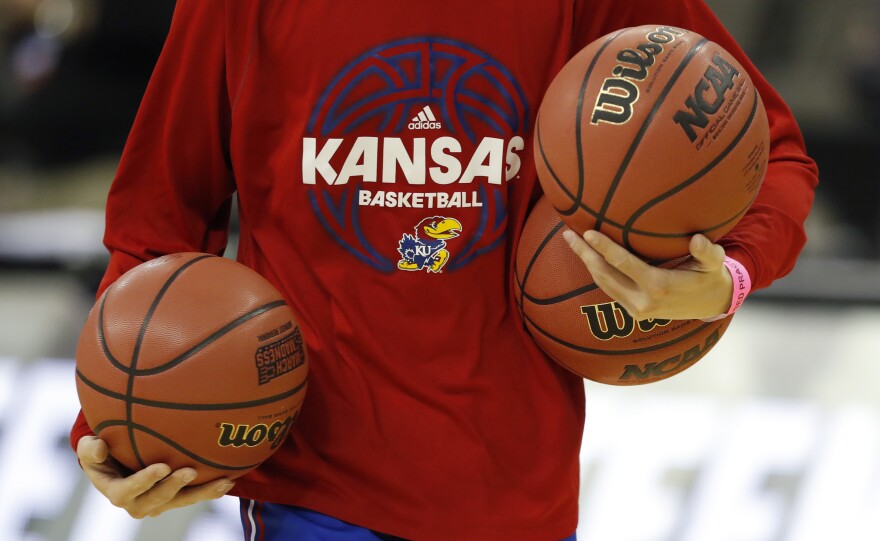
column 341, row 127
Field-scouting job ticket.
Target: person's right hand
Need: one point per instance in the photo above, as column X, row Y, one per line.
column 148, row 492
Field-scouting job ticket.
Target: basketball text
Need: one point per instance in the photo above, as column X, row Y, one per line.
column 253, row 435
column 614, row 105
column 438, row 200
column 701, row 104
column 275, row 332
column 673, row 364
column 280, row 357
column 609, row 320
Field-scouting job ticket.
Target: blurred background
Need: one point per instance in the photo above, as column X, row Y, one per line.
column 775, row 436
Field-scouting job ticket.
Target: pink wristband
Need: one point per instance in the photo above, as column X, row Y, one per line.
column 742, row 285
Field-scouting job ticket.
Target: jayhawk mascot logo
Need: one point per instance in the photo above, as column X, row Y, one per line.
column 427, row 248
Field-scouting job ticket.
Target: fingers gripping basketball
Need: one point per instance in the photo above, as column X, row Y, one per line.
column 191, row 360
column 586, row 331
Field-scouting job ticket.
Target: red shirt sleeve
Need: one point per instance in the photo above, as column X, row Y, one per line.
column 173, row 188
column 769, row 238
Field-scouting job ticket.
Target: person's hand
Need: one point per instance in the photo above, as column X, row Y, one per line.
column 148, row 492
column 699, row 288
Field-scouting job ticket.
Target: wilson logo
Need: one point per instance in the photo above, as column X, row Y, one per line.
column 615, row 102
column 609, row 320
column 254, row 435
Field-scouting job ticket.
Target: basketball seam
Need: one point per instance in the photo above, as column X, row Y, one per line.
column 102, row 336
column 216, row 335
column 189, row 406
column 644, row 128
column 576, row 198
column 578, row 121
column 694, row 178
column 131, row 426
column 619, row 351
column 545, row 301
column 546, row 240
column 184, row 356
column 559, row 184
column 139, row 342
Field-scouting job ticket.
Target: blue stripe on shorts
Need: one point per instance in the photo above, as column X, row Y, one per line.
column 263, row 521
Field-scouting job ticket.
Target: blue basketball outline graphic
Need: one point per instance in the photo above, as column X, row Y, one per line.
column 340, row 110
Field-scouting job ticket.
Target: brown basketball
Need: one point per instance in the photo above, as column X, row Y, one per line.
column 582, row 328
column 650, row 135
column 191, row 360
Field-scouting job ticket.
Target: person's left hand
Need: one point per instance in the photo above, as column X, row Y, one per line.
column 698, row 288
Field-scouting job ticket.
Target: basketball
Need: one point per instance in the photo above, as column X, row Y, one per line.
column 650, row 135
column 582, row 328
column 191, row 360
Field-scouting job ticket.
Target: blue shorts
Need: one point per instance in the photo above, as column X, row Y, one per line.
column 263, row 521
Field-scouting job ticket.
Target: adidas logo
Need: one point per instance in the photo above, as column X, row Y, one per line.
column 425, row 120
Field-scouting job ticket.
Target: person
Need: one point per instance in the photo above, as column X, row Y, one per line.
column 381, row 157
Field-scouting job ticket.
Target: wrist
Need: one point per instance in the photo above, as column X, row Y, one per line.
column 742, row 285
